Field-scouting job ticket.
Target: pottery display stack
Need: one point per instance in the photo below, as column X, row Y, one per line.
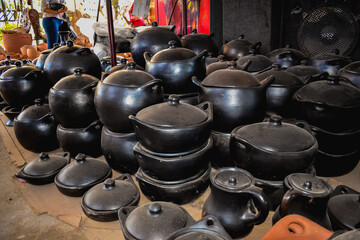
column 332, row 108
column 238, row 98
column 173, row 150
column 71, row 101
column 121, row 93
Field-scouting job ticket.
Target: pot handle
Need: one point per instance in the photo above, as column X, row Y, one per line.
column 123, row 214
column 147, row 56
column 82, row 51
column 21, row 174
column 202, row 55
column 316, row 77
column 136, row 122
column 207, row 107
column 46, row 116
column 261, row 203
column 256, row 46
column 34, row 74
column 24, row 107
column 197, row 82
column 342, row 189
column 267, row 82
column 95, row 124
column 286, row 53
column 90, row 85
column 287, row 201
column 150, row 84
column 65, row 155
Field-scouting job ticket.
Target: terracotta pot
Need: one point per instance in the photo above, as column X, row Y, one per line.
column 14, row 41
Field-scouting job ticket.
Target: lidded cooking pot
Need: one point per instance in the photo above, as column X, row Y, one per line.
column 305, row 72
column 41, row 59
column 71, row 100
column 219, row 64
column 351, row 72
column 331, row 105
column 124, row 93
column 103, row 201
column 35, row 128
column 151, row 40
column 307, row 196
column 242, row 198
column 238, row 97
column 62, row 61
column 20, row 85
column 175, row 66
column 286, row 57
column 258, row 62
column 198, row 42
column 42, row 170
column 238, row 48
column 279, row 95
column 155, row 220
column 330, row 62
column 260, row 148
column 173, row 127
column 123, row 65
column 82, row 174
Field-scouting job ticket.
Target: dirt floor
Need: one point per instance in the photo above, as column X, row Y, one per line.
column 18, row 220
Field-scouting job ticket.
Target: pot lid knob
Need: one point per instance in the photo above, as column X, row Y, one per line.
column 275, row 120
column 8, row 57
column 172, row 44
column 109, row 183
column 333, row 80
column 7, row 62
column 80, row 157
column 69, row 43
column 276, row 66
column 123, row 61
column 155, row 208
column 232, row 180
column 131, row 65
column 78, row 71
column 194, row 31
column 221, row 58
column 174, row 99
column 38, row 102
column 252, row 52
column 241, row 36
column 18, row 64
column 335, row 51
column 304, row 62
column 154, row 24
column 56, row 45
column 307, row 185
column 43, row 156
column 232, row 65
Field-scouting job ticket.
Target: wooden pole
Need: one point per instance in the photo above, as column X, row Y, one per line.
column 184, row 18
column 111, row 32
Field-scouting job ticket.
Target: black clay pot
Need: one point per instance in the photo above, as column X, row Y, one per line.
column 71, row 100
column 279, row 95
column 81, row 140
column 307, row 196
column 219, row 64
column 151, row 40
column 238, row 48
column 123, row 65
column 237, row 97
column 173, row 127
column 286, row 57
column 330, row 62
column 175, row 66
column 260, row 149
column 198, row 42
column 180, row 192
column 62, row 61
column 156, row 220
column 258, row 63
column 20, row 86
column 243, row 199
column 304, row 71
column 208, row 228
column 125, row 93
column 173, row 167
column 344, row 209
column 42, row 170
column 41, row 59
column 220, row 155
column 103, row 201
column 190, row 98
column 81, row 175
column 331, row 105
column 118, row 150
column 35, row 128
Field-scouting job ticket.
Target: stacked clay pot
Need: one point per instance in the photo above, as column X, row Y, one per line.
column 71, row 101
column 121, row 93
column 173, row 150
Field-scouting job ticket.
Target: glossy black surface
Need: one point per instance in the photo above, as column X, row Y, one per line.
column 238, row 48
column 198, row 42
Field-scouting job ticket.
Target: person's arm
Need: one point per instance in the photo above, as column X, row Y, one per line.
column 45, row 8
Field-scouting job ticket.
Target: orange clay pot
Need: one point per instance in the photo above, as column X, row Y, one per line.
column 14, row 41
column 296, row 227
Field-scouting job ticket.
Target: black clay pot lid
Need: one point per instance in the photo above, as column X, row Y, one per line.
column 334, row 55
column 230, row 77
column 34, row 112
column 271, row 136
column 282, row 77
column 172, row 114
column 353, row 68
column 295, row 52
column 345, row 210
column 308, row 185
column 112, row 194
column 130, row 77
column 46, row 164
column 231, row 179
column 83, row 172
column 331, row 92
column 258, row 62
column 173, row 53
column 156, row 220
column 5, row 67
column 195, row 36
column 239, row 42
column 68, row 48
column 304, row 69
column 349, row 235
column 76, row 81
column 18, row 72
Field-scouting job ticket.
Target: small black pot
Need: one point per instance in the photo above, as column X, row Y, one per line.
column 286, row 57
column 198, row 42
column 174, row 167
column 43, row 169
column 81, row 140
column 118, row 150
column 180, row 192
